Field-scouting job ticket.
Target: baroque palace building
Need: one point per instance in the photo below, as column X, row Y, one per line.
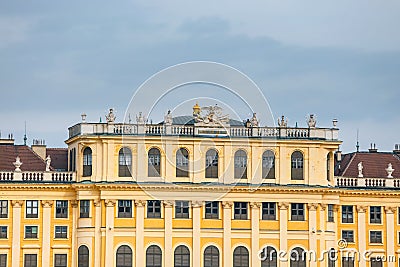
column 198, row 190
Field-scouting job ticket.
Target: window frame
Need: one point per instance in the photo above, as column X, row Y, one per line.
column 30, row 209
column 59, row 258
column 61, row 232
column 348, row 235
column 156, row 252
column 154, row 162
column 3, row 260
column 347, row 214
column 268, row 163
column 3, row 209
column 62, row 210
column 240, row 164
column 241, row 210
column 32, row 259
column 375, row 237
column 182, row 209
column 87, row 163
column 297, row 165
column 152, row 207
column 125, row 252
column 297, row 212
column 242, row 256
column 84, row 208
column 125, row 208
column 30, row 234
column 375, row 215
column 266, row 209
column 125, row 162
column 211, row 210
column 212, row 163
column 182, row 163
column 3, row 232
column 181, row 256
column 83, row 256
column 211, row 256
column 331, row 213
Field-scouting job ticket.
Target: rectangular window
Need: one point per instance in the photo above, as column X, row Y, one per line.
column 124, row 208
column 375, row 237
column 61, row 231
column 330, row 213
column 347, row 262
column 297, row 212
column 3, row 232
column 240, row 210
column 181, row 209
column 84, row 208
column 212, row 210
column 62, row 209
column 3, row 208
column 347, row 214
column 3, row 260
column 268, row 211
column 32, row 209
column 31, row 232
column 348, row 235
column 60, row 260
column 30, row 260
column 375, row 214
column 153, row 209
column 376, row 262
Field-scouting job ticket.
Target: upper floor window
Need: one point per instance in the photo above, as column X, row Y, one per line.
column 31, row 232
column 331, row 213
column 297, row 166
column 268, row 211
column 32, row 209
column 347, row 214
column 377, row 262
column 347, row 261
column 268, row 165
column 87, row 162
column 375, row 214
column 154, row 162
column 124, row 208
column 241, row 257
column 328, row 166
column 297, row 212
column 240, row 164
column 30, row 260
column 153, row 209
column 240, row 210
column 84, row 208
column 375, row 237
column 83, row 256
column 3, row 208
column 3, row 231
column 212, row 210
column 124, row 162
column 3, row 260
column 181, row 209
column 61, row 232
column 348, row 235
column 62, row 209
column 72, row 159
column 60, row 260
column 212, row 163
column 182, row 163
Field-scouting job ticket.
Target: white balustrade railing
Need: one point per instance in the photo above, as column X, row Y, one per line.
column 191, row 130
column 367, row 182
column 37, row 177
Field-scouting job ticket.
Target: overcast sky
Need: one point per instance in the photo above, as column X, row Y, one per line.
column 337, row 60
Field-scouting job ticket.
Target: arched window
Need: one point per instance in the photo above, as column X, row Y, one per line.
column 212, row 163
column 240, row 164
column 182, row 163
column 328, row 166
column 297, row 257
column 124, row 256
column 241, row 257
column 268, row 165
column 87, row 162
column 153, row 256
column 83, row 256
column 297, row 166
column 269, row 256
column 182, row 257
column 124, row 162
column 154, row 164
column 332, row 257
column 211, row 257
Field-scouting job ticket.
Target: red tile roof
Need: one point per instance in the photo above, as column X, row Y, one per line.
column 374, row 164
column 30, row 160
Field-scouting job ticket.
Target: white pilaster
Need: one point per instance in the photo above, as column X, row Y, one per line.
column 322, row 227
column 16, row 235
column 312, row 230
column 140, row 253
column 168, row 215
column 390, row 234
column 227, row 246
column 97, row 233
column 255, row 232
column 361, row 229
column 283, row 219
column 110, row 211
column 74, row 205
column 196, row 233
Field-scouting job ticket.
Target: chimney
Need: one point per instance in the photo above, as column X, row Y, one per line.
column 39, row 147
column 7, row 141
column 373, row 148
column 396, row 149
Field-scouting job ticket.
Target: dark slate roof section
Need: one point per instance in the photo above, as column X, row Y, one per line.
column 30, row 160
column 59, row 158
column 189, row 120
column 374, row 164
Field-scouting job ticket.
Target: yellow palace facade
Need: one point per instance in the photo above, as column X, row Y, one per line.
column 201, row 191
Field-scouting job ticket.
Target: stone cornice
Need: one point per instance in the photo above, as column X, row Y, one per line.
column 47, row 203
column 17, row 203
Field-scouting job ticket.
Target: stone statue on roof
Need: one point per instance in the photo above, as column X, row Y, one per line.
column 254, row 121
column 389, row 170
column 168, row 118
column 110, row 117
column 360, row 169
column 311, row 121
column 282, row 123
column 17, row 164
column 212, row 116
column 48, row 161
